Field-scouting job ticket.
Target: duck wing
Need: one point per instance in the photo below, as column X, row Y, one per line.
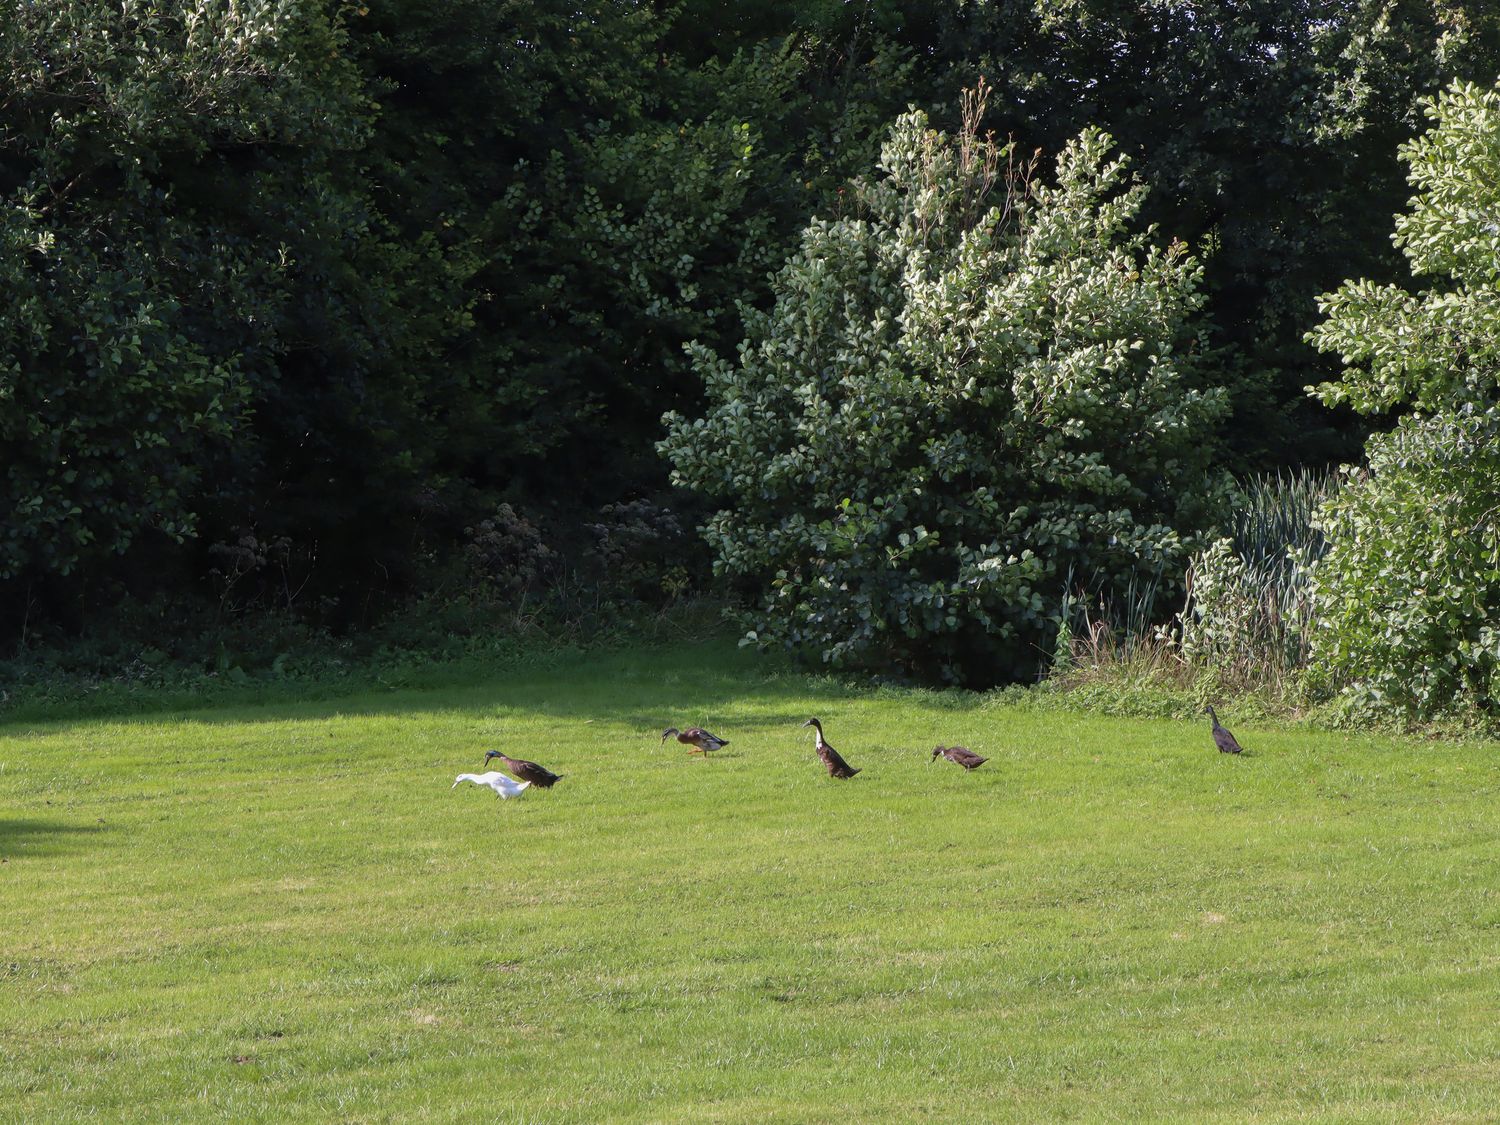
column 837, row 767
column 703, row 739
column 539, row 776
column 1226, row 741
column 964, row 757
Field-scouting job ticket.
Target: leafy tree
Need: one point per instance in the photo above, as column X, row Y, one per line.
column 345, row 275
column 1437, row 348
column 135, row 321
column 969, row 385
column 620, row 177
column 1266, row 130
column 214, row 325
column 1408, row 596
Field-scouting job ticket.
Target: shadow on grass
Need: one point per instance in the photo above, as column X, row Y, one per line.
column 22, row 838
column 714, row 684
column 650, row 689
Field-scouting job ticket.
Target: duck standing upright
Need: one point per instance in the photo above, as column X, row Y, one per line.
column 960, row 754
column 837, row 767
column 696, row 737
column 539, row 776
column 1222, row 738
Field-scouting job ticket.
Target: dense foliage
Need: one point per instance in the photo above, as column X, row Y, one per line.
column 209, row 327
column 149, row 280
column 1267, row 131
column 1407, row 599
column 970, row 386
column 1408, row 596
column 340, row 281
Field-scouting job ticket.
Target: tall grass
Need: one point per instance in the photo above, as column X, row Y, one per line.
column 1249, row 611
column 1274, row 514
column 1246, row 614
column 1121, row 631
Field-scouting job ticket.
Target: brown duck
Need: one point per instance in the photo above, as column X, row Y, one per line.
column 962, row 755
column 1222, row 738
column 696, row 737
column 837, row 767
column 540, row 776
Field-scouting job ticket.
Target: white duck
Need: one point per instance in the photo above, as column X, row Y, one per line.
column 502, row 785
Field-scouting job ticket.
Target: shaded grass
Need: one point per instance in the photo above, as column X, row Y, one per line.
column 282, row 912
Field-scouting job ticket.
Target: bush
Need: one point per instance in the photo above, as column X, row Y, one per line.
column 1407, row 597
column 637, row 550
column 506, row 554
column 968, row 387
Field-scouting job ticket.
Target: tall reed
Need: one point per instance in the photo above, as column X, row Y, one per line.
column 1248, row 612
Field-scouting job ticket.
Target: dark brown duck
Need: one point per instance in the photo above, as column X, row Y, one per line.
column 540, row 776
column 1222, row 738
column 960, row 754
column 837, row 767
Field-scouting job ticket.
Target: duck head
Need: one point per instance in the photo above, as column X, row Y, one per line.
column 935, row 752
column 669, row 732
column 488, row 754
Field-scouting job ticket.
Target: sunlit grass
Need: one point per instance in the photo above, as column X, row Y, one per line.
column 283, row 912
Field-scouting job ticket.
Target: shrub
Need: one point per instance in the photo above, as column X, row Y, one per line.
column 1408, row 594
column 637, row 550
column 506, row 554
column 969, row 386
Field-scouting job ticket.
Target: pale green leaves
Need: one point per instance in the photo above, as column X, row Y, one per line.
column 962, row 391
column 1408, row 596
column 1440, row 346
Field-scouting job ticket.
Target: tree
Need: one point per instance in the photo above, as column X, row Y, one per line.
column 620, row 177
column 138, row 313
column 971, row 385
column 1406, row 603
column 1439, row 347
column 1267, row 132
column 1408, row 596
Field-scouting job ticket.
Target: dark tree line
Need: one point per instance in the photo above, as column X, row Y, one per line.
column 330, row 283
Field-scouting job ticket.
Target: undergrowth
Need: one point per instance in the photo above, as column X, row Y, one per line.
column 1240, row 639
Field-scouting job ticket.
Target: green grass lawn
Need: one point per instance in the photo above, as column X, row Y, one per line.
column 283, row 912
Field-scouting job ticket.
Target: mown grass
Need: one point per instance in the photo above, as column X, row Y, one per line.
column 282, row 912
